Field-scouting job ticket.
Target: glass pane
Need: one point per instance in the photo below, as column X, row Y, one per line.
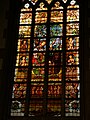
column 25, row 18
column 56, row 30
column 49, row 1
column 41, row 17
column 64, row 1
column 36, row 90
column 55, row 59
column 55, row 68
column 18, row 108
column 37, row 74
column 72, row 74
column 72, row 90
column 72, row 58
column 22, row 59
column 56, row 16
column 33, row 1
column 23, row 45
column 56, row 6
column 41, row 7
column 36, row 107
column 54, row 107
column 72, row 29
column 19, row 90
column 72, row 43
column 73, row 4
column 72, row 108
column 40, row 31
column 72, row 15
column 38, row 59
column 54, row 76
column 55, row 44
column 24, row 31
column 54, row 90
column 39, row 44
column 20, row 74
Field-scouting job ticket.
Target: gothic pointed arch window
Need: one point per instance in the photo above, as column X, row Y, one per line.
column 47, row 68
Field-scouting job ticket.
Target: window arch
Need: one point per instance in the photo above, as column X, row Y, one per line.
column 47, row 68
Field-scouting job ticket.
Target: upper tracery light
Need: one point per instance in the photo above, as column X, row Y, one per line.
column 64, row 1
column 26, row 5
column 72, row 2
column 49, row 1
column 33, row 1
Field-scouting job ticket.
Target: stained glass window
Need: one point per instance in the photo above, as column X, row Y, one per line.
column 47, row 68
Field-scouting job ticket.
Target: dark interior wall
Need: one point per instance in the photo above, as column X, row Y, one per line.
column 4, row 6
column 87, row 65
column 5, row 14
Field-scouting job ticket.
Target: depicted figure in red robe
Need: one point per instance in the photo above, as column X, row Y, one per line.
column 24, row 46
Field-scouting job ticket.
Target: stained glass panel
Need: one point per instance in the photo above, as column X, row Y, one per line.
column 41, row 17
column 25, row 18
column 57, row 6
column 64, row 1
column 36, row 90
column 22, row 59
column 56, row 30
column 38, row 59
column 40, row 31
column 41, row 7
column 72, row 43
column 72, row 90
column 55, row 44
column 56, row 16
column 73, row 4
column 20, row 74
column 18, row 108
column 23, row 45
column 72, row 29
column 72, row 107
column 72, row 15
column 55, row 75
column 19, row 91
column 54, row 90
column 54, row 107
column 38, row 74
column 33, row 1
column 72, row 74
column 55, row 59
column 36, row 108
column 49, row 1
column 27, row 5
column 24, row 31
column 72, row 58
column 39, row 44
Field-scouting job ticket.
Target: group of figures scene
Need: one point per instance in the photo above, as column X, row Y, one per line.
column 39, row 44
column 72, row 90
